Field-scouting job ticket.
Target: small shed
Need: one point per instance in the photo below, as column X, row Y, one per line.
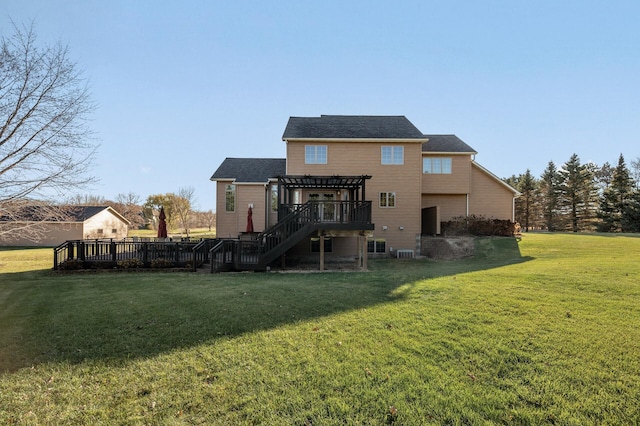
column 47, row 226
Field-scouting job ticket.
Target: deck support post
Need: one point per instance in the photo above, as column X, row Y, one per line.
column 321, row 252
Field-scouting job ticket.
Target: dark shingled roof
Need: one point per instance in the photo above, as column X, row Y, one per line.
column 351, row 127
column 250, row 169
column 37, row 213
column 446, row 143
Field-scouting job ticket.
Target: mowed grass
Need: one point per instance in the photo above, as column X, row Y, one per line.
column 544, row 331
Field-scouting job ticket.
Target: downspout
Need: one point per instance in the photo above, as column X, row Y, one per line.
column 467, row 195
column 267, row 205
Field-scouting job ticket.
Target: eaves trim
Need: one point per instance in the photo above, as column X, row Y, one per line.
column 364, row 140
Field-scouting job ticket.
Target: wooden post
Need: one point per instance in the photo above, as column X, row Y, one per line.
column 113, row 251
column 81, row 250
column 322, row 252
column 69, row 250
column 365, row 253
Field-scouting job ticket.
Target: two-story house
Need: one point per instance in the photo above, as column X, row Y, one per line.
column 354, row 185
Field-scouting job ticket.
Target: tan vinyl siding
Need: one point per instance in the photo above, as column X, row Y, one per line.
column 458, row 182
column 364, row 158
column 341, row 247
column 489, row 197
column 226, row 222
column 451, row 205
column 231, row 224
column 54, row 235
column 106, row 222
column 251, row 194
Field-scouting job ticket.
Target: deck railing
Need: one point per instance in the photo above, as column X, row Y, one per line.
column 102, row 252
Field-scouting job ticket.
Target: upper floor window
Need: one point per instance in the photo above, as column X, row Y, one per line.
column 436, row 165
column 315, row 154
column 387, row 199
column 392, row 155
column 230, row 198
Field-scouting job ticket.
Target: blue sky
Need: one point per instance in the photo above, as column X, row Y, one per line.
column 182, row 85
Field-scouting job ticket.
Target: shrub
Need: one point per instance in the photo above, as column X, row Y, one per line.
column 478, row 226
column 161, row 263
column 71, row 265
column 130, row 263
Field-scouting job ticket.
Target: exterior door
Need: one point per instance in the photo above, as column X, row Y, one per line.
column 325, row 208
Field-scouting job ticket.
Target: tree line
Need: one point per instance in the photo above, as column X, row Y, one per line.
column 580, row 197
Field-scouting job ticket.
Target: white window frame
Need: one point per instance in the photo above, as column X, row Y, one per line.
column 437, row 165
column 392, row 155
column 387, row 200
column 379, row 245
column 315, row 154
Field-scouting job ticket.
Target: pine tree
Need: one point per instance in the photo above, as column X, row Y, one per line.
column 617, row 201
column 549, row 194
column 631, row 213
column 527, row 186
column 576, row 189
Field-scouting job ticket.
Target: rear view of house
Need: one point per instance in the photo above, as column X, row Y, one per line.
column 370, row 184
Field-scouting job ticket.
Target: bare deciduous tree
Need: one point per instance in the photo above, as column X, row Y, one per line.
column 182, row 206
column 130, row 207
column 46, row 145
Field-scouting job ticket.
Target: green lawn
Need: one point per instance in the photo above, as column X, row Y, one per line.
column 193, row 233
column 544, row 331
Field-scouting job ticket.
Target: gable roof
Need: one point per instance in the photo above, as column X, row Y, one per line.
column 446, row 143
column 250, row 169
column 496, row 178
column 45, row 213
column 351, row 127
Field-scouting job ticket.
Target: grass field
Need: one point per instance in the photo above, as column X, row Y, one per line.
column 193, row 233
column 544, row 331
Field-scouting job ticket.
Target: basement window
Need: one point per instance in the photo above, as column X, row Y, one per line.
column 376, row 246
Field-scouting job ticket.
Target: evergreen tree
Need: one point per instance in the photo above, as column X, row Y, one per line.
column 616, row 202
column 635, row 172
column 527, row 186
column 604, row 176
column 631, row 214
column 576, row 189
column 549, row 195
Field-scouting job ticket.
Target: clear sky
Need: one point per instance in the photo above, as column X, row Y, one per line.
column 180, row 85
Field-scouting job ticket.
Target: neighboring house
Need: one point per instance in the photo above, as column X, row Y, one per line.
column 409, row 183
column 53, row 226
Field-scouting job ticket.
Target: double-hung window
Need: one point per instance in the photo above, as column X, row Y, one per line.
column 376, row 245
column 393, row 155
column 230, row 198
column 387, row 199
column 436, row 165
column 315, row 154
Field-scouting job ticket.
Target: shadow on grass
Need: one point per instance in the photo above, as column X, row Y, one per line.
column 114, row 317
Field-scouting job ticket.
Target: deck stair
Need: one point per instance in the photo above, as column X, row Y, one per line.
column 258, row 252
